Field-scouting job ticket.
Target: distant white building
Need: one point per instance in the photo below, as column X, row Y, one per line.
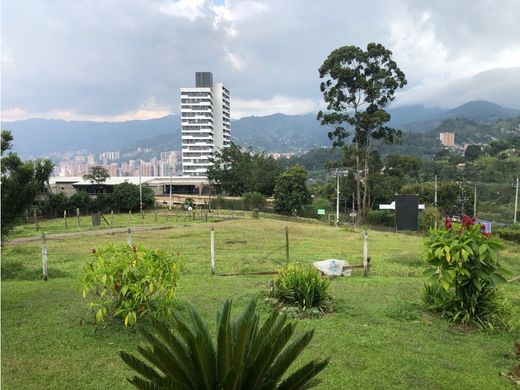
column 205, row 123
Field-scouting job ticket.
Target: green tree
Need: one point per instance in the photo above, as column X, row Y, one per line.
column 357, row 86
column 235, row 172
column 472, row 152
column 247, row 355
column 97, row 175
column 403, row 166
column 21, row 183
column 126, row 196
column 290, row 192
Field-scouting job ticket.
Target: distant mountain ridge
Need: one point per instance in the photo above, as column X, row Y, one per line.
column 272, row 133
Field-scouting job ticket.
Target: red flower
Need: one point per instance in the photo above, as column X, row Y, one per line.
column 116, row 286
column 447, row 224
column 134, row 249
column 483, row 228
column 487, row 234
column 93, row 250
column 467, row 222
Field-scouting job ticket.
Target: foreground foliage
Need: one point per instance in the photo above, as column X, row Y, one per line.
column 245, row 356
column 463, row 275
column 129, row 283
column 303, row 287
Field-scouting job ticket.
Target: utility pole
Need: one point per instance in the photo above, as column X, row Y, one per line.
column 516, row 201
column 338, row 174
column 140, row 193
column 337, row 197
column 170, row 204
column 475, row 202
column 435, row 202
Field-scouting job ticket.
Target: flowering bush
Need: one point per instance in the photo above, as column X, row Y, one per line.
column 464, row 273
column 129, row 282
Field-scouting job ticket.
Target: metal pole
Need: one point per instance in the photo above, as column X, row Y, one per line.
column 140, row 194
column 212, row 251
column 44, row 257
column 170, row 205
column 65, row 218
column 337, row 197
column 475, row 202
column 516, row 201
column 435, row 202
column 77, row 215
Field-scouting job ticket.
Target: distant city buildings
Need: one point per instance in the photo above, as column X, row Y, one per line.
column 447, row 139
column 168, row 164
column 206, row 123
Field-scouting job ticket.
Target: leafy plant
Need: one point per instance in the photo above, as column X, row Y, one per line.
column 301, row 286
column 253, row 200
column 245, row 356
column 129, row 283
column 463, row 275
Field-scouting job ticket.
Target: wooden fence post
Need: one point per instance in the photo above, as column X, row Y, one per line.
column 212, row 251
column 129, row 214
column 65, row 218
column 44, row 257
column 129, row 237
column 77, row 215
column 365, row 253
column 287, row 244
column 155, row 214
column 36, row 224
column 111, row 217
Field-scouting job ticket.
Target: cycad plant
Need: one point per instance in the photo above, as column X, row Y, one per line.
column 246, row 355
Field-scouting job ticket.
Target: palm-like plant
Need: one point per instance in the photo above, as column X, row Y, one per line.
column 246, row 355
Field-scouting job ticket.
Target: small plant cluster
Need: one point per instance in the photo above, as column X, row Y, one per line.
column 464, row 274
column 130, row 282
column 246, row 355
column 299, row 290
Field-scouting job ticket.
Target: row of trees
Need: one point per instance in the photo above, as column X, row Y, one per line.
column 124, row 197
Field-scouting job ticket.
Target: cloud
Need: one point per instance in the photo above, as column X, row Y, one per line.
column 107, row 59
column 277, row 104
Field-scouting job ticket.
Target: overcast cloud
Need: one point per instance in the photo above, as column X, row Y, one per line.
column 127, row 59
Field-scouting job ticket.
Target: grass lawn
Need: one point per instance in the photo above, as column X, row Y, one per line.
column 378, row 338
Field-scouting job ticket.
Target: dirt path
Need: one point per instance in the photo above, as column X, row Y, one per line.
column 87, row 233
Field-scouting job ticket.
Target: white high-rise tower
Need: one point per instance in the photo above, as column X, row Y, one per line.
column 206, row 123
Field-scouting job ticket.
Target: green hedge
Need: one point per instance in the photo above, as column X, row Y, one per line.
column 381, row 218
column 508, row 234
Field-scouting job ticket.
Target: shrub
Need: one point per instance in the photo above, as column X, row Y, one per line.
column 301, row 286
column 226, row 204
column 253, row 200
column 381, row 218
column 463, row 275
column 245, row 355
column 129, row 283
column 509, row 234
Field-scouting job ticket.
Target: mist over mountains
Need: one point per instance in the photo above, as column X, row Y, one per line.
column 272, row 133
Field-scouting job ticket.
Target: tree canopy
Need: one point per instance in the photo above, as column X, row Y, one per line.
column 291, row 192
column 235, row 172
column 357, row 85
column 97, row 175
column 21, row 183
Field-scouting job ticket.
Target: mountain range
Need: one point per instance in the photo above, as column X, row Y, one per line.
column 272, row 133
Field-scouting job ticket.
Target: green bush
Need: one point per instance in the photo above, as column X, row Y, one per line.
column 227, row 204
column 129, row 283
column 509, row 234
column 246, row 355
column 301, row 286
column 253, row 200
column 428, row 217
column 381, row 218
column 464, row 274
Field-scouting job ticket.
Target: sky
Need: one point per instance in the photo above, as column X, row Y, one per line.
column 127, row 59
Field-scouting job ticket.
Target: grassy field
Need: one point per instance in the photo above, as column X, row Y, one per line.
column 379, row 336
